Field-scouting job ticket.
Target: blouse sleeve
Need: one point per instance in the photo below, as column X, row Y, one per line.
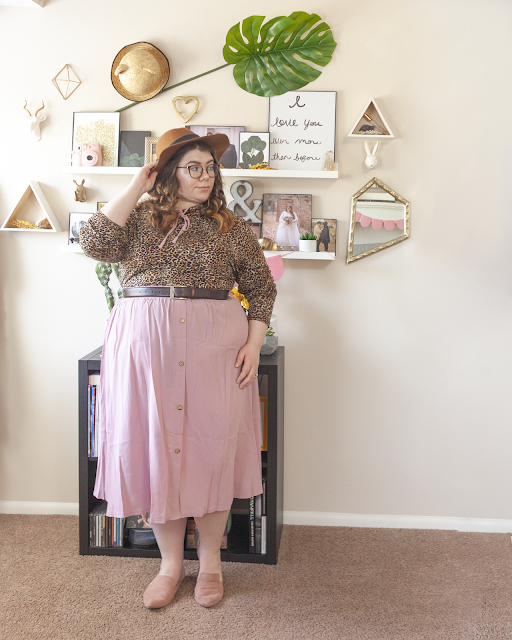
column 252, row 273
column 104, row 240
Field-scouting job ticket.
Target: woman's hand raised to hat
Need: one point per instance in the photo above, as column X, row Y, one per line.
column 144, row 178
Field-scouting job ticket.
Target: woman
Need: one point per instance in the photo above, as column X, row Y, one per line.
column 288, row 229
column 325, row 236
column 180, row 428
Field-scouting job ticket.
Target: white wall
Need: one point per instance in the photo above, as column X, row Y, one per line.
column 398, row 365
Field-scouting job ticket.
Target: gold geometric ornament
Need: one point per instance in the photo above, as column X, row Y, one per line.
column 66, row 81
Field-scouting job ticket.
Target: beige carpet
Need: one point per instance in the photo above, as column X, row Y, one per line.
column 329, row 583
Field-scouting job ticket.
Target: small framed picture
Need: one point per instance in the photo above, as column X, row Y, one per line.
column 285, row 218
column 324, row 229
column 76, row 222
column 99, row 128
column 253, row 149
column 132, row 148
column 229, row 159
column 150, row 149
column 256, row 229
column 100, row 205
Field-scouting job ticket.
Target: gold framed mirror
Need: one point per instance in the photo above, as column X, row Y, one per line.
column 380, row 218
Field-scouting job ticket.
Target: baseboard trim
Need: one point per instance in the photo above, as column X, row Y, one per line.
column 39, row 508
column 328, row 519
column 312, row 518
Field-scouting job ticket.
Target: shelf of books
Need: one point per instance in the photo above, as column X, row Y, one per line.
column 254, row 526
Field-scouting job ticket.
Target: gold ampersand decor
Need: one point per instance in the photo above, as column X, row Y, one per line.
column 186, row 101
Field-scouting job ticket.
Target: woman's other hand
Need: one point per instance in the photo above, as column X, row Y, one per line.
column 249, row 358
column 144, row 178
column 249, row 355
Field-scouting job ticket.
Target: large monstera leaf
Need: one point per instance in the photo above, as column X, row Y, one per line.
column 272, row 59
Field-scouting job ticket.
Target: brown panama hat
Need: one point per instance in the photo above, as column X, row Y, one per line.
column 175, row 139
column 140, row 71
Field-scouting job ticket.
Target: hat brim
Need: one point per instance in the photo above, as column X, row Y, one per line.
column 163, row 63
column 218, row 141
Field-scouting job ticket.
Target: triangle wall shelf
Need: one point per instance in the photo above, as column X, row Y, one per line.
column 32, row 188
column 371, row 124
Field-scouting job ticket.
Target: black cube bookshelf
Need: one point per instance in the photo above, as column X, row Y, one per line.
column 271, row 376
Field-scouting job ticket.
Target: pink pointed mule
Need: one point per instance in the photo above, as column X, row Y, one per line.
column 161, row 590
column 209, row 589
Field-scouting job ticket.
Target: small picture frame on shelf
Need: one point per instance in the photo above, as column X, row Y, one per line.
column 100, row 205
column 229, row 159
column 132, row 148
column 76, row 222
column 150, row 149
column 254, row 149
column 285, row 218
column 98, row 128
column 324, row 229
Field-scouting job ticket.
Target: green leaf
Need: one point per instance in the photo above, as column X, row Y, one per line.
column 272, row 58
column 257, row 158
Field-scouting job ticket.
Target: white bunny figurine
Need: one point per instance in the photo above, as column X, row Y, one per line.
column 371, row 156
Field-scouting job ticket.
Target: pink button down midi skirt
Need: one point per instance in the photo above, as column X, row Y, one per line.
column 178, row 437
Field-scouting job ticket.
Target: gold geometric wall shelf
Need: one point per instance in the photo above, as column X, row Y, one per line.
column 33, row 188
column 371, row 124
column 66, row 81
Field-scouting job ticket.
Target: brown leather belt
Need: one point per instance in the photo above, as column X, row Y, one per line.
column 176, row 292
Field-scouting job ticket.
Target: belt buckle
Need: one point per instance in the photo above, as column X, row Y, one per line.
column 175, row 297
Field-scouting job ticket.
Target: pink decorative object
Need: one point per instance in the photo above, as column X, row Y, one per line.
column 358, row 216
column 276, row 266
column 376, row 224
column 400, row 223
column 365, row 221
column 389, row 225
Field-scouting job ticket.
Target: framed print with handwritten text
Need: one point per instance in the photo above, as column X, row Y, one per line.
column 302, row 126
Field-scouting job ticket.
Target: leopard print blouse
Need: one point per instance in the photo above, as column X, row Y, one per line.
column 201, row 257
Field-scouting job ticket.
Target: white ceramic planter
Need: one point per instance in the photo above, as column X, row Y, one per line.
column 307, row 245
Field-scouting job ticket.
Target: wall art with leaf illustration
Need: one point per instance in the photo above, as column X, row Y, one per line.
column 253, row 149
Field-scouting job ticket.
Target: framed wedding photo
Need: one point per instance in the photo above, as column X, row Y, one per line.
column 324, row 230
column 285, row 218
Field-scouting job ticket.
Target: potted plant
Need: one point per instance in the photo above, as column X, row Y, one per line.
column 307, row 242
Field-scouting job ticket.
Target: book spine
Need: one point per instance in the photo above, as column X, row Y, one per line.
column 93, row 420
column 89, row 420
column 257, row 523
column 252, row 530
column 263, row 534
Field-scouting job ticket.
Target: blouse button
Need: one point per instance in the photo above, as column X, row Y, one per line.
column 180, row 407
column 176, row 450
column 182, row 320
column 181, row 363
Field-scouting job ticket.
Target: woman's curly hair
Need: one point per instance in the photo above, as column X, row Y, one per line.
column 163, row 197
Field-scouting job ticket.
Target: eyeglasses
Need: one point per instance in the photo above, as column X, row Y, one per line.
column 196, row 170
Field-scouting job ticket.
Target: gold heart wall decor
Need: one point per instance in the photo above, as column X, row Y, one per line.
column 185, row 100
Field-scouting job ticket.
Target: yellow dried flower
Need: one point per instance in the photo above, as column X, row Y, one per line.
column 239, row 296
column 22, row 224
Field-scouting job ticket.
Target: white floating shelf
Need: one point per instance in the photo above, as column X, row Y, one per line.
column 227, row 173
column 301, row 255
column 294, row 255
column 106, row 171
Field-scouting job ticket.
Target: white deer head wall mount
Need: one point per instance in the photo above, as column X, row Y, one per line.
column 34, row 122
